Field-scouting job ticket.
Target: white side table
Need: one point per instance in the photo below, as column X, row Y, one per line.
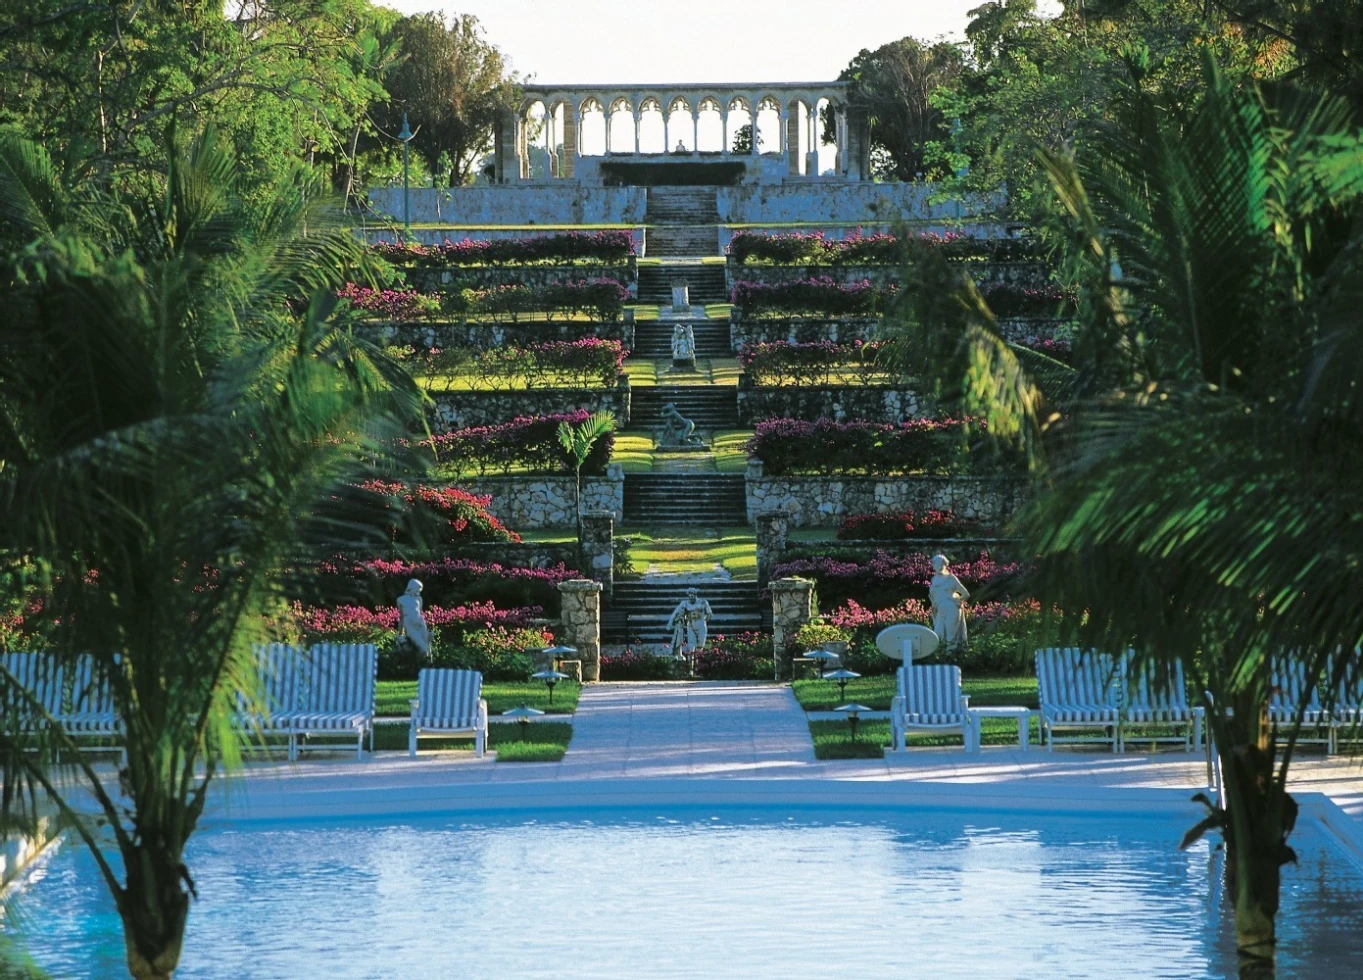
column 1023, row 716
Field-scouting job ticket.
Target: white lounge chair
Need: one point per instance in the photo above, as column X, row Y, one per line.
column 40, row 675
column 279, row 668
column 930, row 699
column 1077, row 690
column 335, row 696
column 449, row 702
column 1346, row 713
column 1151, row 703
column 92, row 711
column 1290, row 693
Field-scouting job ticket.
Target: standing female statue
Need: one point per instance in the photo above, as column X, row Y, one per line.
column 412, row 621
column 948, row 597
column 688, row 623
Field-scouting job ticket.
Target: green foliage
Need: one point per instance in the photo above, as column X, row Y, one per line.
column 815, row 634
column 833, row 739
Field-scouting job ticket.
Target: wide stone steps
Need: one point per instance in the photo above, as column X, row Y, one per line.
column 706, row 283
column 681, row 241
column 709, row 500
column 655, row 339
column 711, row 407
column 682, row 205
column 638, row 611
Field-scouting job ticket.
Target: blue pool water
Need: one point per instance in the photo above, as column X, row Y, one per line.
column 722, row 892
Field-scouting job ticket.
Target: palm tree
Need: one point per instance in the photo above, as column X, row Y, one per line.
column 578, row 441
column 1200, row 464
column 184, row 419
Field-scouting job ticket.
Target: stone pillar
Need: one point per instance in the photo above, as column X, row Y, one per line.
column 695, row 130
column 792, row 605
column 840, row 128
column 608, row 114
column 571, row 122
column 724, row 143
column 815, row 138
column 582, row 623
column 792, row 127
column 773, row 528
column 598, row 547
column 752, row 117
column 635, row 113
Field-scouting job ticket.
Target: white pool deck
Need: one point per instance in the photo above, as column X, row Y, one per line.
column 698, row 741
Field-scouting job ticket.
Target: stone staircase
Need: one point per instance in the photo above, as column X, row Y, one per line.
column 706, row 282
column 703, row 500
column 711, row 407
column 682, row 206
column 653, row 339
column 638, row 611
column 681, row 241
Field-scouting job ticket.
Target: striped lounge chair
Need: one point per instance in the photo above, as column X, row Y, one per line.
column 930, row 699
column 335, row 696
column 39, row 674
column 1346, row 714
column 1149, row 702
column 1078, row 689
column 1291, row 689
column 279, row 669
column 449, row 702
column 92, row 713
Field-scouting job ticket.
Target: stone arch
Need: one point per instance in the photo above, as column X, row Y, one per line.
column 767, row 124
column 592, row 138
column 620, row 130
column 652, row 126
column 740, row 115
column 681, row 125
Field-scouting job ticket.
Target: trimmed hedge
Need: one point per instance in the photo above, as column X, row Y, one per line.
column 585, row 363
column 823, row 446
column 529, row 442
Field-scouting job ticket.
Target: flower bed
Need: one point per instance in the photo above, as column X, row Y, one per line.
column 740, row 657
column 528, row 443
column 573, row 246
column 584, row 363
column 632, row 665
column 906, row 525
column 391, row 304
column 818, row 362
column 1002, row 635
column 1059, row 350
column 814, row 248
column 787, row 446
column 444, row 517
column 822, row 295
column 604, row 298
column 1008, row 299
column 885, row 578
column 446, row 581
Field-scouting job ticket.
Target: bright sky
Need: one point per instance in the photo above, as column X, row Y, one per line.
column 675, row 41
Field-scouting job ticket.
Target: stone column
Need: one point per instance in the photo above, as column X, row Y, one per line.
column 608, row 114
column 752, row 117
column 724, row 143
column 773, row 528
column 582, row 623
column 792, row 605
column 598, row 547
column 635, row 113
column 792, row 129
column 695, row 130
column 572, row 121
column 815, row 138
column 840, row 127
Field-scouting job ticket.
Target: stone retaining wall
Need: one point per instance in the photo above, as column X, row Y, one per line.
column 430, row 280
column 1014, row 272
column 823, row 501
column 485, row 335
column 528, row 554
column 438, row 236
column 529, row 503
column 846, row 202
column 545, row 204
column 872, row 403
column 460, row 409
column 800, row 329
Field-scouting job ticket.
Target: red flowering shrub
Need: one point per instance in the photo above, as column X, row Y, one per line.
column 824, row 446
column 446, row 517
column 885, row 578
column 874, row 249
column 605, row 247
column 737, row 657
column 604, row 297
column 1009, row 299
column 633, row 665
column 390, row 304
column 530, row 442
column 781, row 362
column 459, row 581
column 586, row 363
column 821, row 295
column 906, row 524
column 357, row 624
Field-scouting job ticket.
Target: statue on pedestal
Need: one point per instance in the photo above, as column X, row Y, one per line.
column 412, row 621
column 676, row 430
column 683, row 347
column 948, row 597
column 688, row 624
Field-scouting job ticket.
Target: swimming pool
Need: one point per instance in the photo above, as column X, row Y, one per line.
column 709, row 891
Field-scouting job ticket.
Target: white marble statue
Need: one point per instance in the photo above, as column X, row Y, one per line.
column 683, row 344
column 948, row 597
column 412, row 621
column 688, row 624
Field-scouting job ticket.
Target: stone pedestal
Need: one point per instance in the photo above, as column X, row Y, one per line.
column 581, row 618
column 598, row 547
column 681, row 297
column 792, row 605
column 772, row 530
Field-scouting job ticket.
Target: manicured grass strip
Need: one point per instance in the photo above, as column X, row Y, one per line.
column 473, row 381
column 735, row 548
column 543, row 741
column 833, row 739
column 718, row 311
column 394, row 697
column 633, row 451
column 642, row 371
column 876, row 692
column 441, row 226
column 727, row 446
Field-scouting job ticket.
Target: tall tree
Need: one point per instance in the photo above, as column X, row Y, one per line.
column 453, row 84
column 1202, row 462
column 894, row 86
column 183, row 424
